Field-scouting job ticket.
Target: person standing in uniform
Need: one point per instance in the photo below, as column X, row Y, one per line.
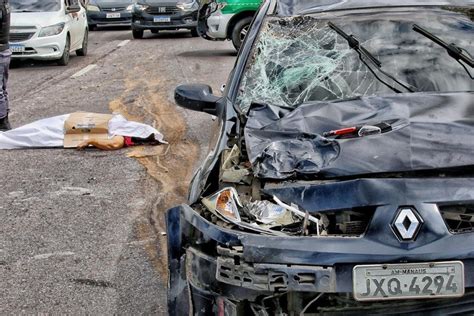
column 5, row 56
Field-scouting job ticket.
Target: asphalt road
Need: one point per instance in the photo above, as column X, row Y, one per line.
column 81, row 232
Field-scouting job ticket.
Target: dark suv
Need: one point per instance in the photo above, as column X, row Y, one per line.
column 109, row 12
column 341, row 177
column 156, row 15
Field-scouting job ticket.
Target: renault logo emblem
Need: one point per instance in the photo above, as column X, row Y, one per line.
column 407, row 224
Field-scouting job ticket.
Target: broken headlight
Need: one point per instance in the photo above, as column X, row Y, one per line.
column 225, row 203
column 261, row 216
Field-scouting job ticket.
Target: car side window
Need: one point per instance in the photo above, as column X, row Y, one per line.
column 71, row 2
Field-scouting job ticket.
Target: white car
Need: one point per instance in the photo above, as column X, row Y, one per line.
column 48, row 29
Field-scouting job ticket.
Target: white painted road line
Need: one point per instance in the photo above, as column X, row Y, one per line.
column 83, row 71
column 123, row 43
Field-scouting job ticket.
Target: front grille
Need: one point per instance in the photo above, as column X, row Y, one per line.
column 20, row 37
column 459, row 218
column 347, row 222
column 162, row 10
column 115, row 9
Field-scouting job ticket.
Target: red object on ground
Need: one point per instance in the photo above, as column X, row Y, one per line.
column 127, row 141
column 342, row 131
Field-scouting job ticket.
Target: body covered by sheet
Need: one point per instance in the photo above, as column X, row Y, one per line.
column 428, row 131
column 50, row 132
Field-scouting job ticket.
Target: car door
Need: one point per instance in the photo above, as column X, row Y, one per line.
column 76, row 29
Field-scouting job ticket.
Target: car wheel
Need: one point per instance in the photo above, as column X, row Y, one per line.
column 83, row 51
column 93, row 27
column 137, row 34
column 194, row 32
column 239, row 31
column 64, row 60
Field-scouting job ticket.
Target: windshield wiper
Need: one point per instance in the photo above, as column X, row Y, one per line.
column 362, row 52
column 453, row 50
column 26, row 11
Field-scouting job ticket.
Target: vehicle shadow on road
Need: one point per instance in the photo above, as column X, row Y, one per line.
column 204, row 53
column 168, row 35
column 30, row 63
column 106, row 28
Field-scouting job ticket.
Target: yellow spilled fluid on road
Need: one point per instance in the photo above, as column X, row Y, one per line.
column 171, row 165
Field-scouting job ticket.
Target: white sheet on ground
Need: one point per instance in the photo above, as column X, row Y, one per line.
column 49, row 132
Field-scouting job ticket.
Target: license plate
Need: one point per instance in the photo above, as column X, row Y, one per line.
column 16, row 48
column 161, row 19
column 408, row 281
column 113, row 15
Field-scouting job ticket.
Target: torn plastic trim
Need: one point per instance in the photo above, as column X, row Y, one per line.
column 206, row 272
column 299, row 213
column 276, row 277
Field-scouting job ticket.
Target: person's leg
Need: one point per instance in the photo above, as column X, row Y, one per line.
column 4, row 67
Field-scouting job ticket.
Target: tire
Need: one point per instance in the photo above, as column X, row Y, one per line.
column 194, row 33
column 138, row 34
column 64, row 60
column 93, row 27
column 239, row 31
column 85, row 42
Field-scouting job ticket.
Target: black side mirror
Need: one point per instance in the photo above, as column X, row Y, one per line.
column 73, row 8
column 196, row 97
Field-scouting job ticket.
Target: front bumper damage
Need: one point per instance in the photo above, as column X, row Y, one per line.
column 215, row 269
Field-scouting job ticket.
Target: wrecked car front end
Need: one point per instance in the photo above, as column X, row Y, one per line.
column 329, row 190
column 243, row 250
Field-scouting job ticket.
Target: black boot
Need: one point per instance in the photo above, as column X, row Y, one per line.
column 4, row 124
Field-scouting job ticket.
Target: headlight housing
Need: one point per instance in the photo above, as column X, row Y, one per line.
column 51, row 30
column 140, row 7
column 225, row 203
column 129, row 8
column 188, row 5
column 92, row 8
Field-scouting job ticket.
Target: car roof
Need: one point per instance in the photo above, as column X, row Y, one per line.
column 299, row 7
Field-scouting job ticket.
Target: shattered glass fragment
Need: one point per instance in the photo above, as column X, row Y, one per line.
column 297, row 60
column 269, row 213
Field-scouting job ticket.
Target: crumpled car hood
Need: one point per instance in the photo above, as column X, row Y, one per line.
column 430, row 131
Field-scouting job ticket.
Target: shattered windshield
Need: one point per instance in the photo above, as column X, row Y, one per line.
column 301, row 59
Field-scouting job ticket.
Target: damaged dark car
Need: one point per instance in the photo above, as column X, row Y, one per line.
column 341, row 176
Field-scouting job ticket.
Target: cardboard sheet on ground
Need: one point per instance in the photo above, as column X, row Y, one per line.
column 68, row 130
